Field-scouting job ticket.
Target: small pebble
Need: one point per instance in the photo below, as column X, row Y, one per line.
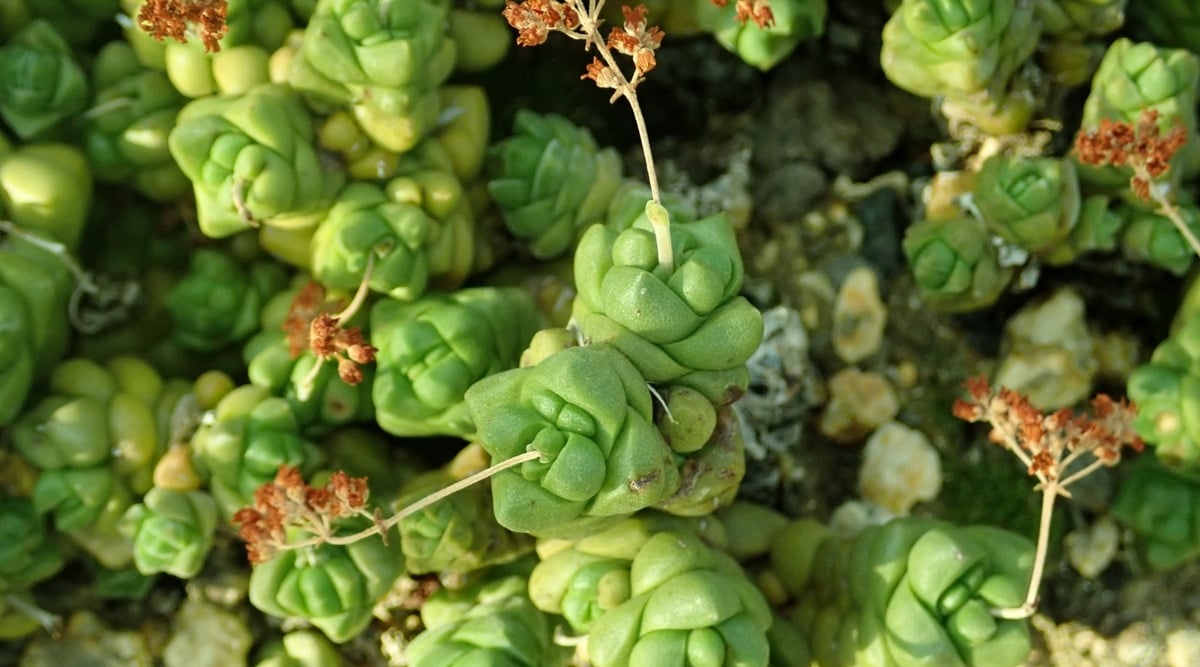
column 900, row 468
column 1050, row 356
column 859, row 403
column 206, row 635
column 859, row 316
column 1091, row 549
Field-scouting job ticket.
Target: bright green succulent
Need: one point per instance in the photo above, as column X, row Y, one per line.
column 217, row 303
column 458, row 534
column 1135, row 77
column 1081, row 18
column 689, row 604
column 1032, row 202
column 334, row 587
column 382, row 60
column 250, row 435
column 431, row 351
column 711, row 470
column 491, row 623
column 41, row 85
column 968, row 52
column 35, row 288
column 300, row 648
column 551, row 181
column 1162, row 507
column 1154, row 239
column 912, row 591
column 687, row 326
column 172, row 531
column 1165, row 390
column 46, row 190
column 587, row 411
column 793, row 22
column 252, row 161
column 954, row 263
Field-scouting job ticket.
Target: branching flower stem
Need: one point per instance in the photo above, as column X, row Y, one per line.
column 305, row 387
column 1050, row 446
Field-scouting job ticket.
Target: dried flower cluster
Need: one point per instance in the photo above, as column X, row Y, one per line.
column 289, row 502
column 1142, row 147
column 1058, row 449
column 171, row 18
column 311, row 325
column 1049, row 443
column 757, row 10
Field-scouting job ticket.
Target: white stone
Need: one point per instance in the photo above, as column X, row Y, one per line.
column 859, row 316
column 900, row 468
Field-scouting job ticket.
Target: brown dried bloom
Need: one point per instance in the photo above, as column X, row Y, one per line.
column 171, row 18
column 1048, row 444
column 306, row 305
column 758, row 10
column 534, row 19
column 346, row 346
column 289, row 502
column 1142, row 147
column 635, row 39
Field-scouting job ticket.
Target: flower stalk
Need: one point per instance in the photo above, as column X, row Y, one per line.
column 1058, row 449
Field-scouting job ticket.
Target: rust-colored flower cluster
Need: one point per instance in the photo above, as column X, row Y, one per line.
column 1141, row 146
column 289, row 502
column 534, row 20
column 757, row 10
column 171, row 18
column 311, row 325
column 1049, row 443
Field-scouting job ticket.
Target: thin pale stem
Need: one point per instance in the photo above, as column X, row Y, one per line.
column 383, row 526
column 628, row 89
column 1171, row 211
column 82, row 278
column 1049, row 494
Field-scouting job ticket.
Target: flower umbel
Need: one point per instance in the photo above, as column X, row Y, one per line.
column 1058, row 449
column 757, row 10
column 1140, row 146
column 171, row 18
column 289, row 502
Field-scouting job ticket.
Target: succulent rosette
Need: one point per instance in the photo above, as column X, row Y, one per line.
column 584, row 578
column 365, row 225
column 250, row 435
column 125, row 136
column 1080, row 18
column 274, row 364
column 172, row 531
column 458, row 534
column 966, row 51
column 41, row 85
column 1032, row 202
column 587, row 411
column 382, row 60
column 1166, row 390
column 46, row 189
column 1153, row 238
column 794, row 21
column 687, row 326
column 98, row 421
column 1097, row 230
column 431, row 351
column 1162, row 507
column 300, row 648
column 489, row 623
column 333, row 587
column 1134, row 77
column 27, row 555
column 912, row 591
column 252, row 160
column 689, row 604
column 217, row 302
column 35, row 288
column 955, row 264
column 551, row 181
